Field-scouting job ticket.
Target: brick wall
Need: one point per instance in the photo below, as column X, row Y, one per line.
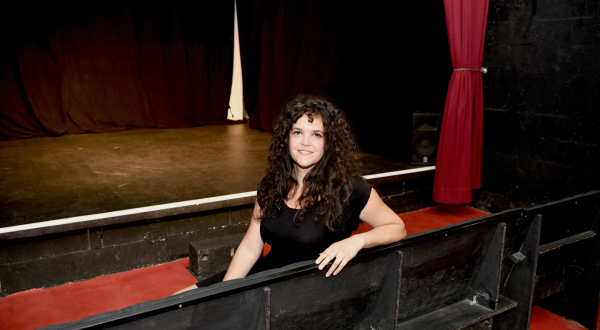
column 541, row 102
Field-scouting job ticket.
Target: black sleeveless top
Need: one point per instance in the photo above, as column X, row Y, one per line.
column 291, row 243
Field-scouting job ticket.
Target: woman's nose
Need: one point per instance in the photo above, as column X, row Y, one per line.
column 305, row 140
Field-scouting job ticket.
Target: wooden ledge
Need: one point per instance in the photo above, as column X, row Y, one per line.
column 457, row 316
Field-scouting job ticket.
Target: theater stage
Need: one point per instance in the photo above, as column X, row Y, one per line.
column 74, row 175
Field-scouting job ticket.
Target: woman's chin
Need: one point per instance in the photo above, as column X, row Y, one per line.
column 304, row 167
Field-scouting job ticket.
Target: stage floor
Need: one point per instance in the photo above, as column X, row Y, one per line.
column 53, row 178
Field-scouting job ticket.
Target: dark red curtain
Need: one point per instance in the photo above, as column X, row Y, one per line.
column 70, row 69
column 458, row 167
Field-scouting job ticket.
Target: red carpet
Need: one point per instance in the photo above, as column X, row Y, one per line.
column 37, row 308
column 542, row 319
column 66, row 303
column 437, row 217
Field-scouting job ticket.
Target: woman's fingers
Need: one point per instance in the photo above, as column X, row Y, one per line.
column 325, row 259
column 339, row 262
column 334, row 267
column 320, row 258
column 338, row 268
column 340, row 253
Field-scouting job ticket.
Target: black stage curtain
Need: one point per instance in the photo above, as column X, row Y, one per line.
column 288, row 47
column 378, row 62
column 108, row 67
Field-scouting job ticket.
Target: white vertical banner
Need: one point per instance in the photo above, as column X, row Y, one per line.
column 236, row 99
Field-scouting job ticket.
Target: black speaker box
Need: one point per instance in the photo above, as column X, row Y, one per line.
column 425, row 137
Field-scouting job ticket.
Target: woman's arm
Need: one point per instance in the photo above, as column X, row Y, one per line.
column 387, row 228
column 247, row 252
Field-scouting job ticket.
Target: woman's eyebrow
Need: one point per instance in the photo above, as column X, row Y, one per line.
column 300, row 129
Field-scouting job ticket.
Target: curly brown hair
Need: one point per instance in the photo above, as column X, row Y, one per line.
column 326, row 187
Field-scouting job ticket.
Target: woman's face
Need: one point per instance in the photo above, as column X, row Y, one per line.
column 307, row 142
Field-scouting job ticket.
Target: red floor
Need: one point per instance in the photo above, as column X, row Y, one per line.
column 36, row 308
column 437, row 217
column 66, row 303
column 542, row 319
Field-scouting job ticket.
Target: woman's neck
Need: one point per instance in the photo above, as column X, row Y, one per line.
column 299, row 174
column 292, row 198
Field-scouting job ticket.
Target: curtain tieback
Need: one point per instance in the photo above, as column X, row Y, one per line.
column 465, row 69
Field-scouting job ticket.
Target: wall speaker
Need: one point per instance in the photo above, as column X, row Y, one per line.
column 425, row 137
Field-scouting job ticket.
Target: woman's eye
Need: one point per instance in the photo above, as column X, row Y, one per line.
column 318, row 135
column 296, row 132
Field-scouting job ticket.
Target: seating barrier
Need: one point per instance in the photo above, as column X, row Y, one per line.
column 568, row 270
column 472, row 275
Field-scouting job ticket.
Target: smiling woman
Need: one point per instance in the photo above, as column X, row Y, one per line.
column 312, row 197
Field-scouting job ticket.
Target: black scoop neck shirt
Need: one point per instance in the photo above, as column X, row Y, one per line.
column 291, row 243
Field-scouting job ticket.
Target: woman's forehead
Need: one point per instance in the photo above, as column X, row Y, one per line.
column 311, row 120
column 311, row 116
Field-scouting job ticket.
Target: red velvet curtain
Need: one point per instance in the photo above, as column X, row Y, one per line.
column 458, row 167
column 79, row 68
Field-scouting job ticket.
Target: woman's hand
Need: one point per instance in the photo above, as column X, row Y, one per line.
column 387, row 228
column 342, row 251
column 191, row 287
